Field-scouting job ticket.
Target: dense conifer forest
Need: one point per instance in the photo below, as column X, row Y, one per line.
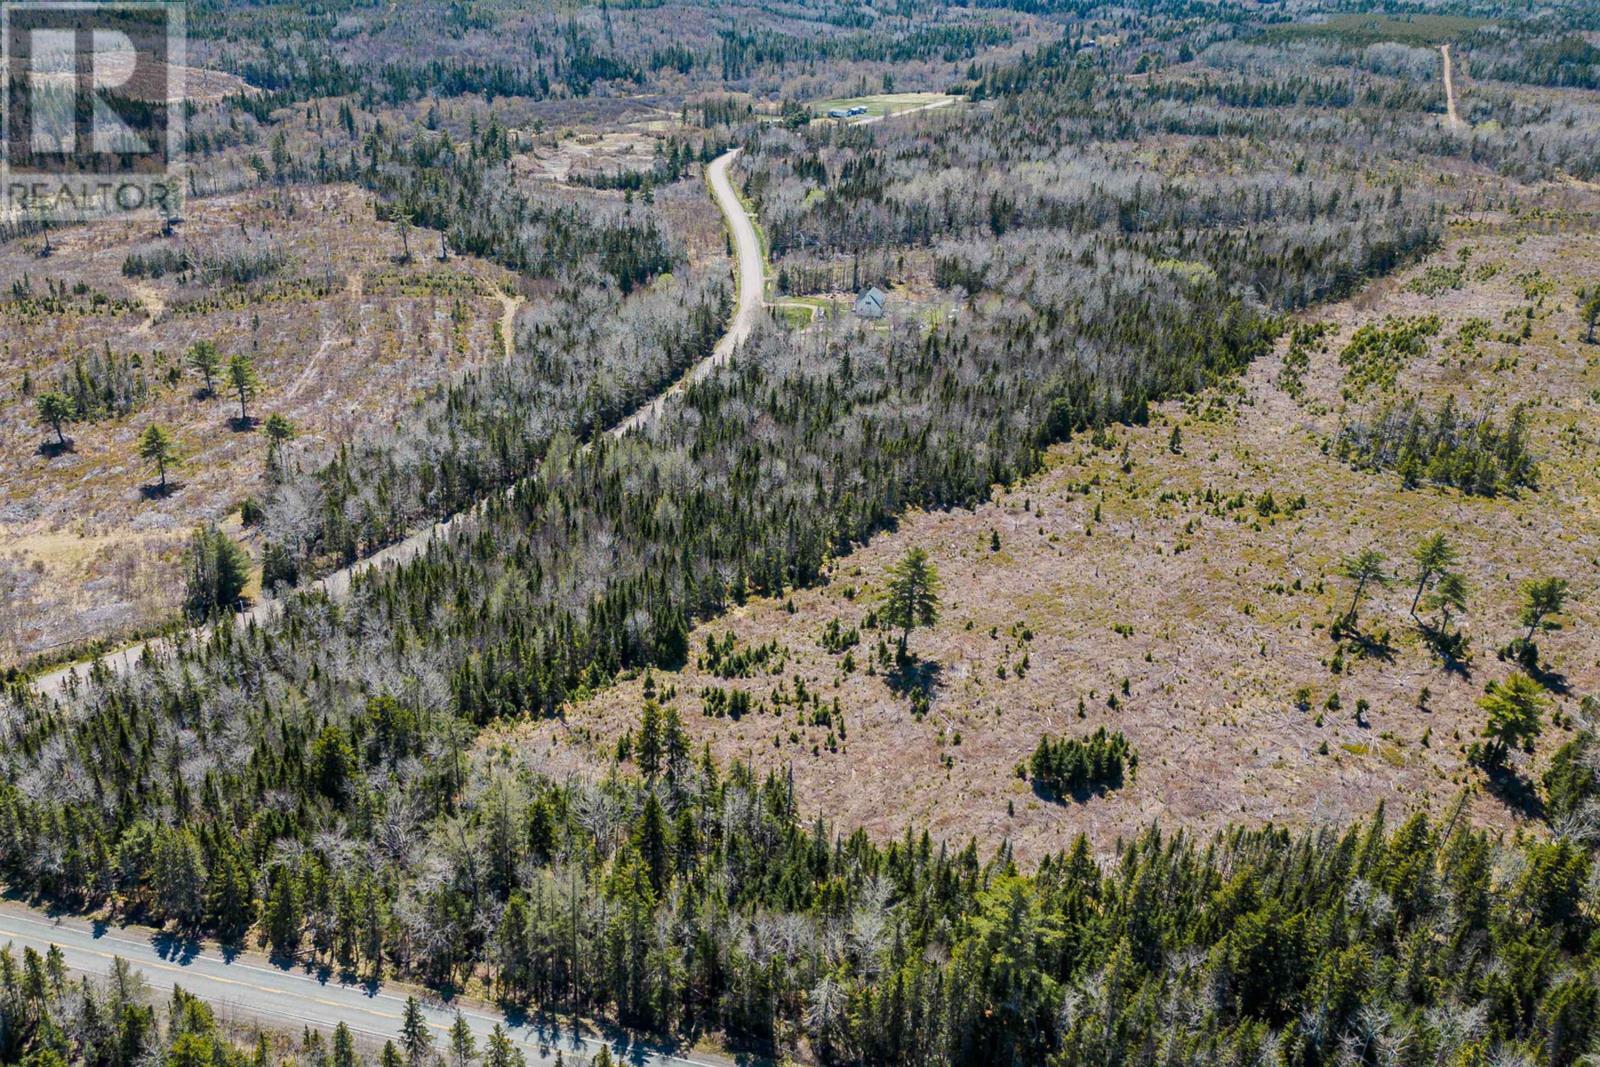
column 1086, row 241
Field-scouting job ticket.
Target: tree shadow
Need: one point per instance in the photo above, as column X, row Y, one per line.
column 1451, row 648
column 310, row 966
column 551, row 1033
column 242, row 423
column 1553, row 680
column 911, row 676
column 1081, row 795
column 52, row 449
column 159, row 492
column 284, row 961
column 176, row 948
column 1369, row 647
column 1514, row 791
column 50, row 905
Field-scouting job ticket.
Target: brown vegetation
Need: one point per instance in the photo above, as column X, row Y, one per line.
column 1194, row 628
column 343, row 336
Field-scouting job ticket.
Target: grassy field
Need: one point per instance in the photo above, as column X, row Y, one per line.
column 1182, row 594
column 798, row 311
column 1365, row 29
column 881, row 103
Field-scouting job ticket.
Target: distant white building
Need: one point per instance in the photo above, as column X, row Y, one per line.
column 870, row 304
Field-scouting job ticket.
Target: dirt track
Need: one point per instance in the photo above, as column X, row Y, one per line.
column 751, row 276
column 1453, row 116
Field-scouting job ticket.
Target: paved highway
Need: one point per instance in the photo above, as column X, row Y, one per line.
column 253, row 989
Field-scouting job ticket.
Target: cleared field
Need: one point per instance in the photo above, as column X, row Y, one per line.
column 883, row 104
column 1364, row 29
column 1181, row 592
column 581, row 152
column 343, row 331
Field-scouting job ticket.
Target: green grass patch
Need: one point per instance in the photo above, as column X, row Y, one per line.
column 1192, row 270
column 794, row 316
column 1364, row 29
column 880, row 103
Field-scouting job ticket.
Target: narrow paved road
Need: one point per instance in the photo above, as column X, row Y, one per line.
column 254, row 990
column 751, row 273
column 1452, row 115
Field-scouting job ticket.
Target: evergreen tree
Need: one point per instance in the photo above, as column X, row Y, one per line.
column 1449, row 595
column 498, row 1052
column 230, row 904
column 912, row 598
column 55, row 411
column 1541, row 598
column 1365, row 568
column 675, row 748
column 463, row 1048
column 180, row 878
column 333, row 764
column 652, row 842
column 218, row 570
column 206, row 361
column 344, row 1047
column 157, row 448
column 415, row 1037
column 242, row 379
column 649, row 748
column 1434, row 556
column 283, row 915
column 280, row 431
column 1514, row 707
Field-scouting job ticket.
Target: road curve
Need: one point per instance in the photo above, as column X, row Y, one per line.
column 253, row 989
column 751, row 275
column 256, row 989
column 750, row 272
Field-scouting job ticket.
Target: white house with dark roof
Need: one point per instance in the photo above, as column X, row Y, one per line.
column 870, row 304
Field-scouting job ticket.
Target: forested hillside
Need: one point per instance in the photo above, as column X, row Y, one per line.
column 478, row 770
